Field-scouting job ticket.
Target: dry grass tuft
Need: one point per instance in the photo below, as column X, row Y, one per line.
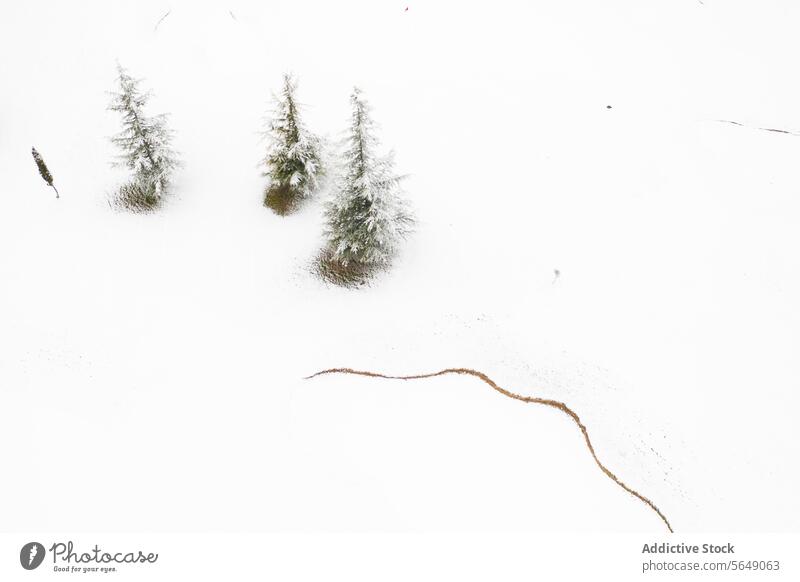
column 351, row 276
column 282, row 200
column 134, row 198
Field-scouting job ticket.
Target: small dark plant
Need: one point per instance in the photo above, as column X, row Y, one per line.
column 46, row 175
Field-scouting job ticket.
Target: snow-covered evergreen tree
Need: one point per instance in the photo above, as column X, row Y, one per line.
column 367, row 217
column 293, row 155
column 43, row 170
column 145, row 143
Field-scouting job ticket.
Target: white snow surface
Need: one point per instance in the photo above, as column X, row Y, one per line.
column 151, row 365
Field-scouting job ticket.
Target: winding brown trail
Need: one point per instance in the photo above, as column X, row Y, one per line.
column 529, row 399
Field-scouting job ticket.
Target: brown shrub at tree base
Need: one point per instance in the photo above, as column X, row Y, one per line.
column 281, row 200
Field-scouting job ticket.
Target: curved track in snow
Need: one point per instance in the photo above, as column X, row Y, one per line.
column 529, row 399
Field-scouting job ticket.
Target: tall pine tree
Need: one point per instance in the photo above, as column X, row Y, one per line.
column 293, row 154
column 367, row 217
column 145, row 144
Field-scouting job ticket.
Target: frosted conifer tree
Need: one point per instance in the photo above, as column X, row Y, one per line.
column 293, row 155
column 367, row 217
column 145, row 143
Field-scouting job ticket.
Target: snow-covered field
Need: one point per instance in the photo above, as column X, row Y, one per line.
column 151, row 365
